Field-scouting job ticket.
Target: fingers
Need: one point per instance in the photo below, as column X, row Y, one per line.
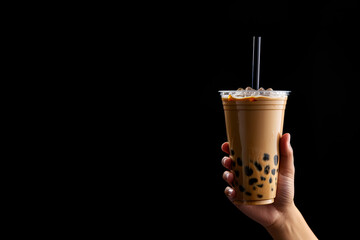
column 286, row 157
column 226, row 162
column 228, row 177
column 230, row 193
column 225, row 147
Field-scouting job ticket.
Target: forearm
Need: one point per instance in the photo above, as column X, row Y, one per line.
column 292, row 226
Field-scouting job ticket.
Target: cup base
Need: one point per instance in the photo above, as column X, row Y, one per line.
column 255, row 202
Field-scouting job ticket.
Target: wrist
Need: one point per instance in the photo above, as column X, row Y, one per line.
column 290, row 225
column 286, row 214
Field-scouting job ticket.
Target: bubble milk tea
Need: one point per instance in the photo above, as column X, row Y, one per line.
column 254, row 125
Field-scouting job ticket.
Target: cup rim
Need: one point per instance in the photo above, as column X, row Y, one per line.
column 254, row 93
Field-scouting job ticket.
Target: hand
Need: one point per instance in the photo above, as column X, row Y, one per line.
column 267, row 215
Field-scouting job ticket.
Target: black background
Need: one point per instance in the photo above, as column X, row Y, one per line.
column 311, row 50
column 152, row 160
column 191, row 51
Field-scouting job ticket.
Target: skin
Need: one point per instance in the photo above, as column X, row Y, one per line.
column 281, row 219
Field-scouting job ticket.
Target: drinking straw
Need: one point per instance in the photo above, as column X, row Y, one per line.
column 256, row 57
column 258, row 63
column 252, row 63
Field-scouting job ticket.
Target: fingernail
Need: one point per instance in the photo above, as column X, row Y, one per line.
column 226, row 175
column 229, row 191
column 223, row 161
column 289, row 140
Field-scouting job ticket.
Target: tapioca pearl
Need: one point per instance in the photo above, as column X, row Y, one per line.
column 273, row 171
column 260, row 196
column 272, row 189
column 270, row 180
column 248, row 193
column 239, row 161
column 248, row 171
column 267, row 169
column 276, row 160
column 241, row 188
column 266, row 157
column 232, row 152
column 260, row 185
column 258, row 166
column 262, row 178
column 252, row 181
column 233, row 163
column 237, row 173
column 235, row 183
column 254, row 188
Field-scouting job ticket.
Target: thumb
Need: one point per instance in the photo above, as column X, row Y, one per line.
column 286, row 157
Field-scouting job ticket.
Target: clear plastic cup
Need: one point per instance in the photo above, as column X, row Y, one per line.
column 254, row 125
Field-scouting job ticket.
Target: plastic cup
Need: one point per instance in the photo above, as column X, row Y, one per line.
column 254, row 125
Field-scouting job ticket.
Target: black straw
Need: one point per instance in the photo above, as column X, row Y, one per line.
column 256, row 58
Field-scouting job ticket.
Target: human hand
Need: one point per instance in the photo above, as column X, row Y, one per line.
column 281, row 219
column 267, row 215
